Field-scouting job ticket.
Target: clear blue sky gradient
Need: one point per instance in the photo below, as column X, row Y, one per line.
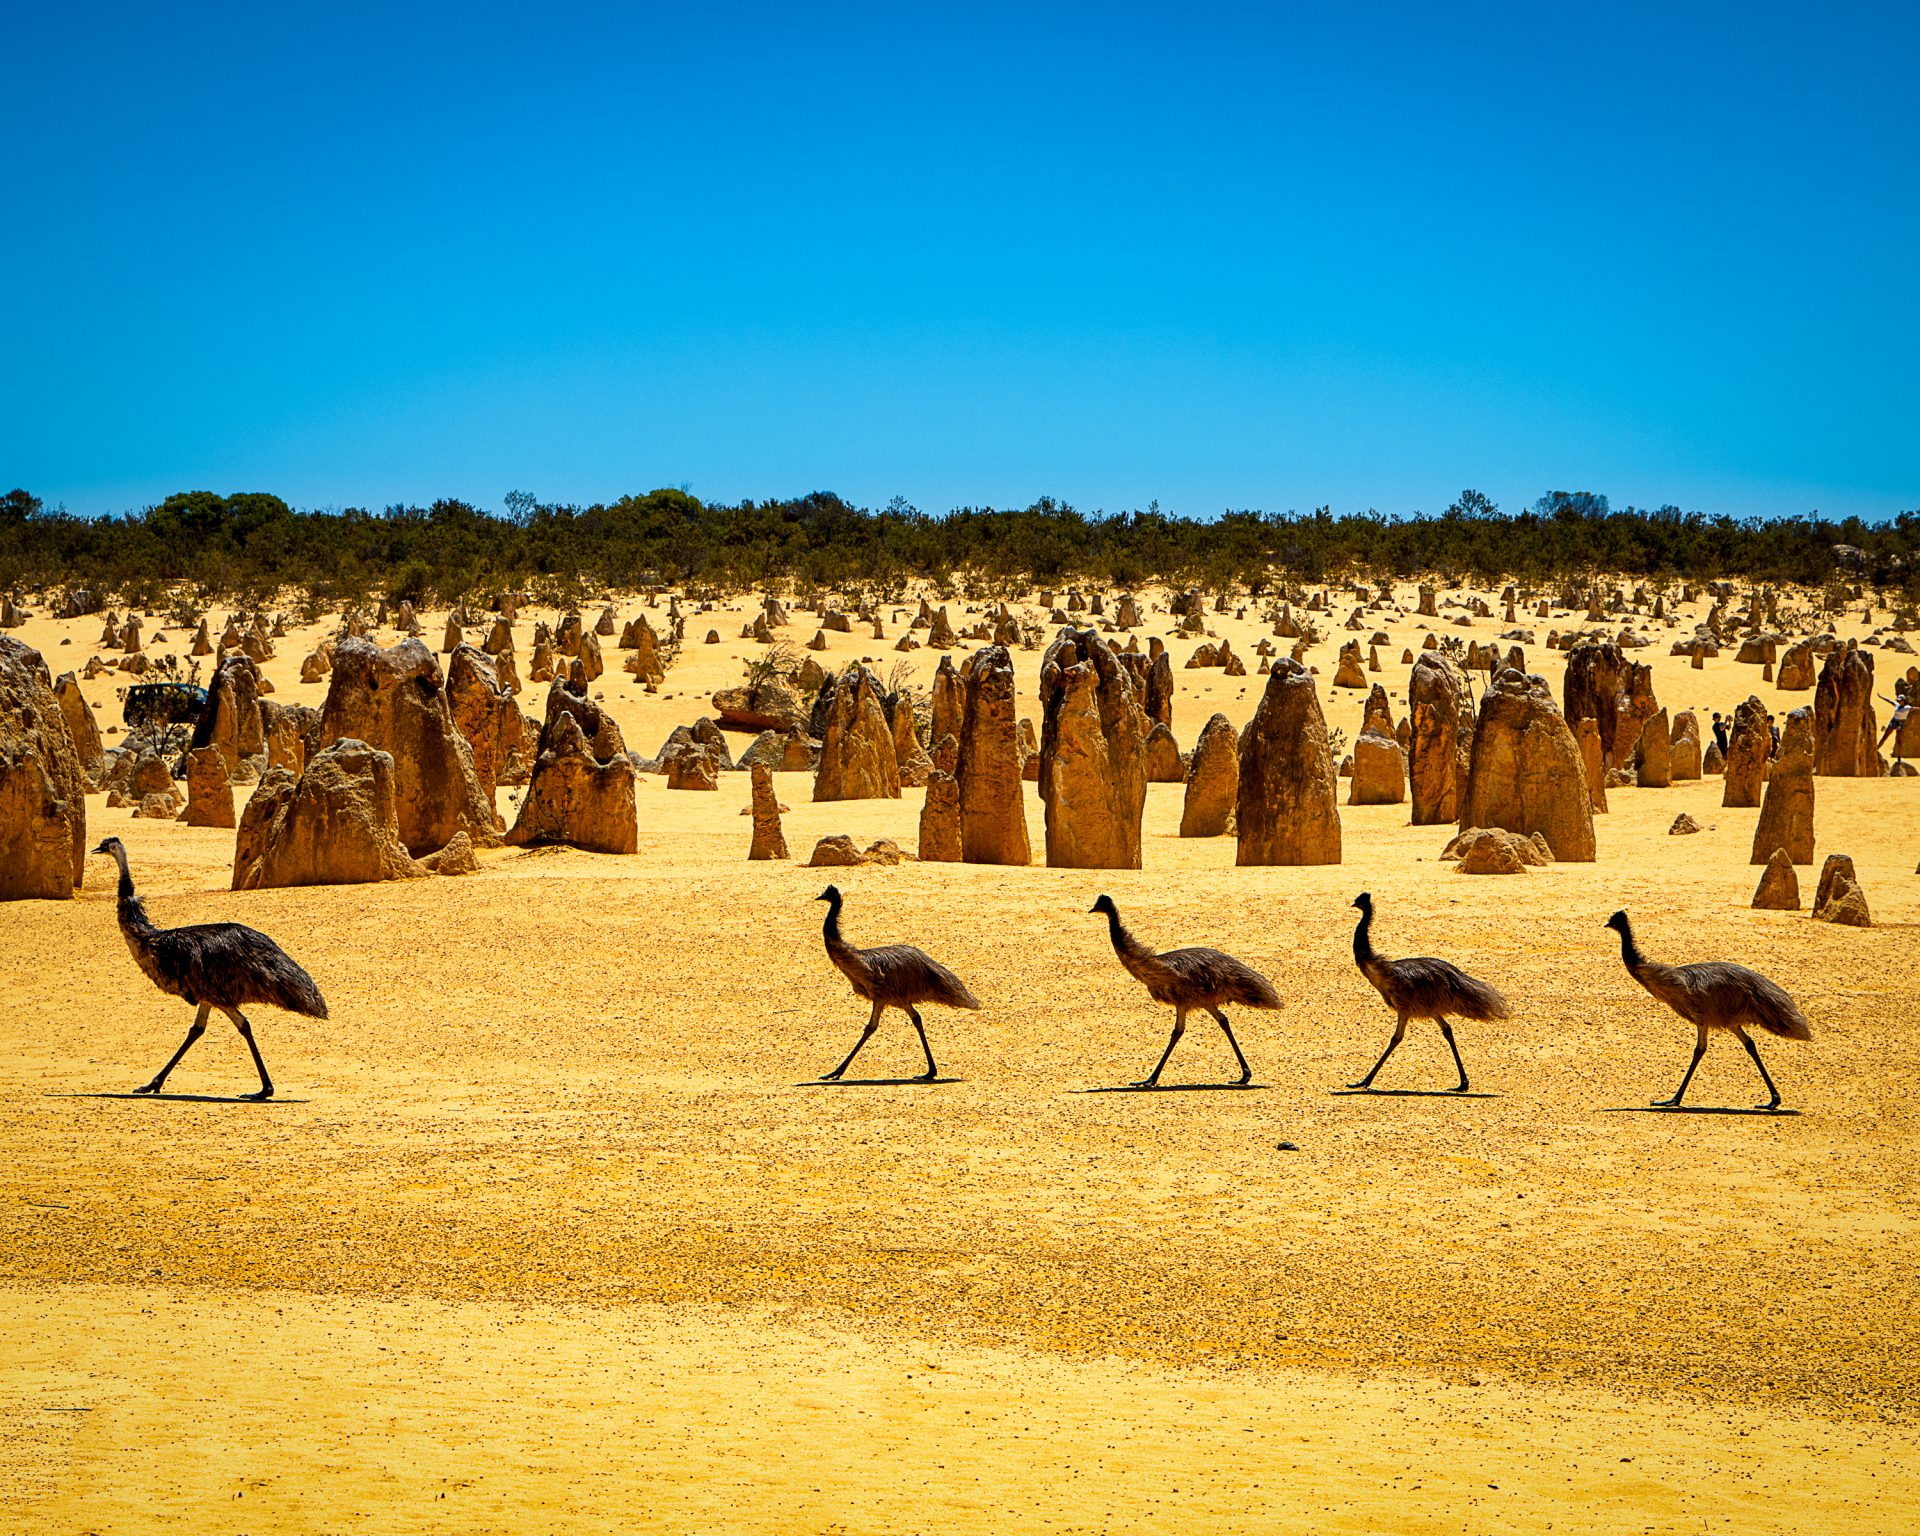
column 1217, row 256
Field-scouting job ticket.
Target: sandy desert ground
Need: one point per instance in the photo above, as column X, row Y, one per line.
column 551, row 1230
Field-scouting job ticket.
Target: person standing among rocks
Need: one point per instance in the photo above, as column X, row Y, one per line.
column 1720, row 732
column 1902, row 702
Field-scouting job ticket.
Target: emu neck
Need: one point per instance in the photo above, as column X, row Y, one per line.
column 1125, row 945
column 830, row 929
column 1630, row 955
column 133, row 914
column 1363, row 939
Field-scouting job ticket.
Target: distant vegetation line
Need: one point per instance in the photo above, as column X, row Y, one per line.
column 248, row 546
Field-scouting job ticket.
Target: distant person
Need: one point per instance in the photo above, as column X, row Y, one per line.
column 1773, row 725
column 1902, row 702
column 1720, row 732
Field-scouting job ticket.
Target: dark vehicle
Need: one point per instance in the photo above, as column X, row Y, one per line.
column 154, row 706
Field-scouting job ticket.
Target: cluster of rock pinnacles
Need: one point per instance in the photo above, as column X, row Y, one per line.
column 396, row 774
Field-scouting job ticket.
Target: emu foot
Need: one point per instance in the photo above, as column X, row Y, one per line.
column 259, row 1095
column 152, row 1087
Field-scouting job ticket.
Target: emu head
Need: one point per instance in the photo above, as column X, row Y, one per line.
column 831, row 893
column 1364, row 901
column 109, row 846
column 1105, row 904
column 1618, row 922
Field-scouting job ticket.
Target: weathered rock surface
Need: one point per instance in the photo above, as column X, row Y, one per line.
column 1786, row 814
column 1526, row 773
column 337, row 824
column 457, row 858
column 993, row 811
column 840, row 851
column 1779, row 888
column 1442, row 727
column 82, row 728
column 1653, row 754
column 1685, row 754
column 209, row 790
column 1091, row 771
column 1844, row 726
column 940, row 811
column 43, row 787
column 573, row 796
column 396, row 700
column 1213, row 781
column 1838, row 898
column 858, row 759
column 1379, row 769
column 231, row 719
column 1161, row 757
column 488, row 717
column 769, row 840
column 1749, row 744
column 1287, row 806
column 767, row 705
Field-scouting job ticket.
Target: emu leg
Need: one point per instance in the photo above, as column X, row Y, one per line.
column 1179, row 1029
column 1399, row 1034
column 1246, row 1072
column 1447, row 1030
column 246, row 1033
column 194, row 1032
column 1753, row 1050
column 866, row 1034
column 932, row 1070
column 1699, row 1050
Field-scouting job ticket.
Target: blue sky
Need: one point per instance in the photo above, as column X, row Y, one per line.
column 1214, row 256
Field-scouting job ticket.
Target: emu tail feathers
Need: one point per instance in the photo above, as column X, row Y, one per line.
column 947, row 988
column 1777, row 1013
column 1476, row 999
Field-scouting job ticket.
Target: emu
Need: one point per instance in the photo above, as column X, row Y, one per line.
column 1421, row 988
column 892, row 976
column 1187, row 979
column 212, row 965
column 1715, row 994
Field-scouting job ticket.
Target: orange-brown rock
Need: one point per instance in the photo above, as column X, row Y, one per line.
column 337, row 824
column 43, row 786
column 82, row 728
column 769, row 841
column 209, row 790
column 1526, row 773
column 1091, row 774
column 858, row 760
column 231, row 719
column 1749, row 744
column 1686, row 746
column 1379, row 769
column 987, row 764
column 1779, row 888
column 1786, row 814
column 1287, row 803
column 395, row 699
column 1442, row 738
column 1213, row 781
column 574, row 797
column 1844, row 726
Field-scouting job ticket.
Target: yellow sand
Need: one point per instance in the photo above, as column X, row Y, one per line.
column 548, row 1231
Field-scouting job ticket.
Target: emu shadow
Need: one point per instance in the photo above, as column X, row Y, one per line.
column 1757, row 1110
column 1177, row 1088
column 183, row 1098
column 1408, row 1093
column 878, row 1082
